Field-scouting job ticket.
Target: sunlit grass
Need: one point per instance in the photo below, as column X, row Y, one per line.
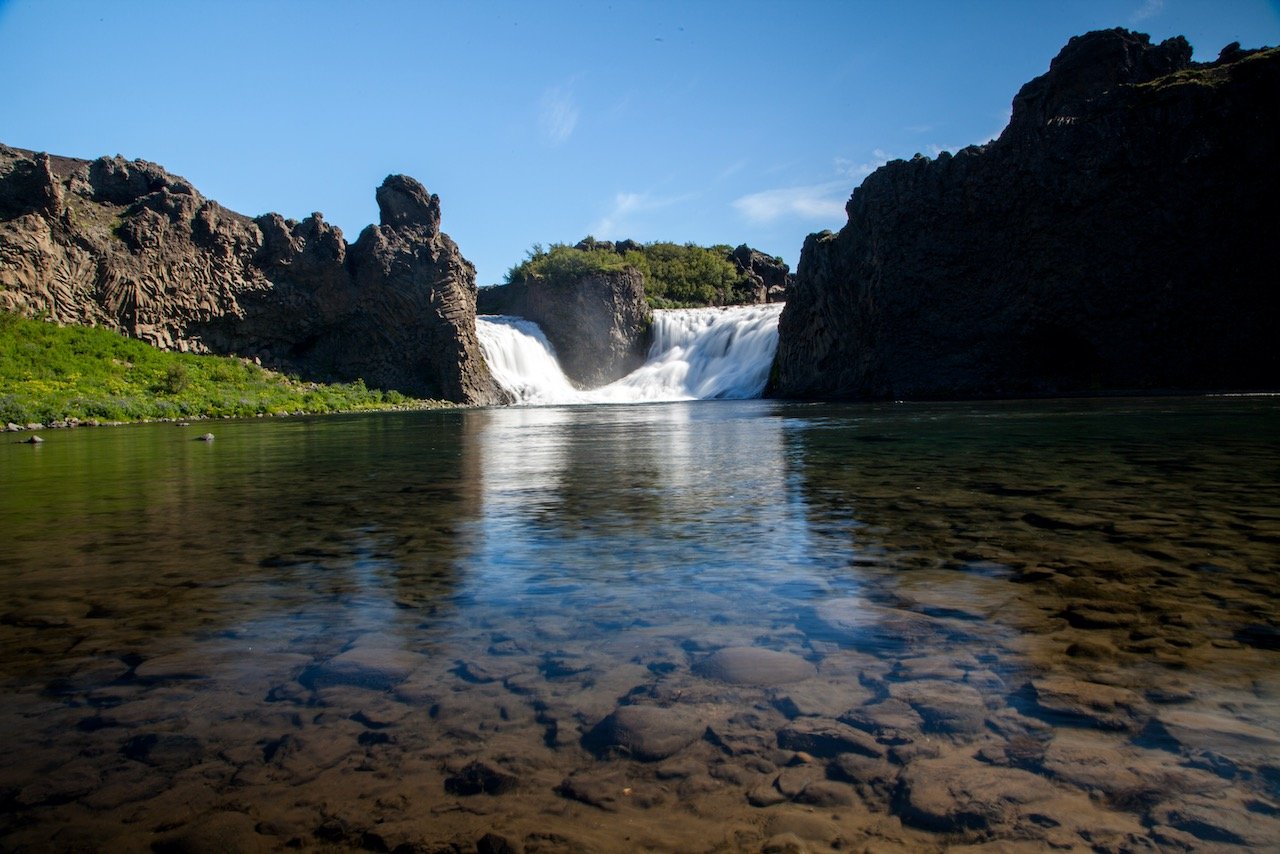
column 51, row 373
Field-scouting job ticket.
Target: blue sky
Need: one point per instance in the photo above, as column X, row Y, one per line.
column 712, row 122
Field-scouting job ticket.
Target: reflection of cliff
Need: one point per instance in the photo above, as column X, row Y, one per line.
column 1118, row 235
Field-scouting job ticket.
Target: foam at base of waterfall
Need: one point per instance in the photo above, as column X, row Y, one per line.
column 697, row 354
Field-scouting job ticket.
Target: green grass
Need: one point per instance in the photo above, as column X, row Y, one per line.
column 51, row 373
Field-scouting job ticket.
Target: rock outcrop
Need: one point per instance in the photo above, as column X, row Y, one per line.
column 125, row 245
column 599, row 323
column 770, row 275
column 1118, row 235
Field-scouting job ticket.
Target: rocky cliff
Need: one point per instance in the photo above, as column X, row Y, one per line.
column 599, row 323
column 770, row 276
column 1119, row 235
column 126, row 245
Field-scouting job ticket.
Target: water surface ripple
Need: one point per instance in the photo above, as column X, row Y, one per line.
column 680, row 627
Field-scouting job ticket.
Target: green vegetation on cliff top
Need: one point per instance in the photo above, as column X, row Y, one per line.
column 51, row 373
column 675, row 275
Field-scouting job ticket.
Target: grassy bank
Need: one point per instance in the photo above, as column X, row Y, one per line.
column 50, row 373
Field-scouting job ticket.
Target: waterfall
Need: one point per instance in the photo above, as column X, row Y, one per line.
column 697, row 354
column 522, row 360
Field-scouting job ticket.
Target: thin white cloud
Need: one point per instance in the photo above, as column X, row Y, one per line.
column 1149, row 9
column 734, row 168
column 1004, row 119
column 557, row 115
column 861, row 169
column 627, row 207
column 811, row 202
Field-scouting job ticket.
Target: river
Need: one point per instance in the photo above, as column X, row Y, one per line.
column 680, row 626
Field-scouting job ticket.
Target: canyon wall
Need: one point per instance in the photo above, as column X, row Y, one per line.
column 126, row 245
column 1119, row 235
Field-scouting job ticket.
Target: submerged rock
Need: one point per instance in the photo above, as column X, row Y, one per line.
column 749, row 665
column 609, row 789
column 946, row 707
column 648, row 733
column 1074, row 702
column 1195, row 730
column 365, row 667
column 892, row 721
column 168, row 751
column 958, row 795
column 858, row 623
column 481, row 777
column 223, row 832
column 827, row 738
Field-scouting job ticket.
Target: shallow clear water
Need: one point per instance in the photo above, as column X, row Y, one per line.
column 906, row 625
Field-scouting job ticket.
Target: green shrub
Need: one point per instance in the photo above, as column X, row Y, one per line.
column 175, row 379
column 675, row 275
column 562, row 261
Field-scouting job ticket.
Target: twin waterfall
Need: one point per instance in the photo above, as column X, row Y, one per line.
column 697, row 354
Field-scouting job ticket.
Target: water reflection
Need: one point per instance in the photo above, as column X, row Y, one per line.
column 724, row 622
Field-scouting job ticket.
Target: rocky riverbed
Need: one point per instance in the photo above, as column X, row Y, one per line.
column 1054, row 645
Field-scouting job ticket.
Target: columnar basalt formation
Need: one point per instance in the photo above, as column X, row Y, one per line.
column 126, row 245
column 1118, row 236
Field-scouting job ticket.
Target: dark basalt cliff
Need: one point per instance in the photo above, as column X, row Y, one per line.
column 125, row 245
column 598, row 323
column 1120, row 234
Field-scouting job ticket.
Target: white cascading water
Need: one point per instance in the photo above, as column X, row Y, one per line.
column 697, row 354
